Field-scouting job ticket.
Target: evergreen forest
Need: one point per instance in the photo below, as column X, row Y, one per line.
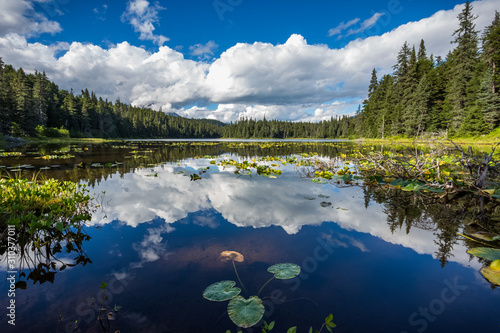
column 458, row 95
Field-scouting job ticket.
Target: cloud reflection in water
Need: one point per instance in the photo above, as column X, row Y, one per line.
column 256, row 202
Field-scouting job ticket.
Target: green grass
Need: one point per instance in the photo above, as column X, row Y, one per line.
column 65, row 140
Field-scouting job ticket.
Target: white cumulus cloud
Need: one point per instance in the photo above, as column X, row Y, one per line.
column 19, row 16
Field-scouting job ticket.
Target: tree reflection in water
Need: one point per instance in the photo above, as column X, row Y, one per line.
column 445, row 214
column 42, row 227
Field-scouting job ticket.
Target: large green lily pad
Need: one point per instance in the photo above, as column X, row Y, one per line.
column 487, row 253
column 491, row 275
column 245, row 312
column 221, row 291
column 284, row 271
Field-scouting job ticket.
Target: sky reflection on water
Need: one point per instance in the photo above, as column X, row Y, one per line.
column 160, row 238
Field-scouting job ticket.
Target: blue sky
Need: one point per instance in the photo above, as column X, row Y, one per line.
column 223, row 59
column 227, row 22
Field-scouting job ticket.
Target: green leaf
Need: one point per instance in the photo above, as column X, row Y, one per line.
column 491, row 275
column 485, row 236
column 245, row 312
column 398, row 183
column 487, row 253
column 271, row 325
column 329, row 329
column 329, row 318
column 103, row 285
column 310, row 330
column 292, row 330
column 221, row 291
column 377, row 179
column 284, row 271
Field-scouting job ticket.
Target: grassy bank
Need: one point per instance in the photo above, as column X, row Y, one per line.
column 66, row 140
column 483, row 140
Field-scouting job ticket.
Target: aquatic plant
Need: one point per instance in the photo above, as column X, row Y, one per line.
column 42, row 219
column 268, row 327
column 104, row 320
column 234, row 256
column 282, row 272
column 10, row 153
column 491, row 254
column 57, row 157
column 245, row 312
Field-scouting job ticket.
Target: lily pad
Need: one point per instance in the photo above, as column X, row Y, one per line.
column 491, row 275
column 284, row 271
column 221, row 291
column 487, row 253
column 245, row 312
column 485, row 236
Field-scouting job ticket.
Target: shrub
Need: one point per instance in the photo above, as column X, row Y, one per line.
column 51, row 132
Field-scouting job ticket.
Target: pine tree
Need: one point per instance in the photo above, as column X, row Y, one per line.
column 23, row 121
column 373, row 83
column 491, row 51
column 489, row 102
column 6, row 100
column 465, row 58
column 424, row 64
column 416, row 121
column 402, row 66
column 41, row 97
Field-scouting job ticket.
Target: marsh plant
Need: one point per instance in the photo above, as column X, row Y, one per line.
column 489, row 252
column 48, row 218
column 245, row 312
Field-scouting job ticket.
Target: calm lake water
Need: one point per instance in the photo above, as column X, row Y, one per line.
column 379, row 260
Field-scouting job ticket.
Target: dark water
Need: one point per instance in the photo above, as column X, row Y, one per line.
column 378, row 260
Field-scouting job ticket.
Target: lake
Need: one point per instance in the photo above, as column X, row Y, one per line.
column 378, row 259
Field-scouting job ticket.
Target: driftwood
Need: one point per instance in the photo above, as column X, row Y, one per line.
column 479, row 167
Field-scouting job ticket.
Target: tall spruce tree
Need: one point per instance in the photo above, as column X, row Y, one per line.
column 465, row 59
column 491, row 51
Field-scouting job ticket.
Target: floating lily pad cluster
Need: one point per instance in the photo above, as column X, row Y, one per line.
column 245, row 312
column 491, row 272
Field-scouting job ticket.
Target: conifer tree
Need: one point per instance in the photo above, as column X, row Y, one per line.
column 465, row 57
column 491, row 51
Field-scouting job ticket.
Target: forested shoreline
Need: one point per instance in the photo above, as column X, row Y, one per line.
column 458, row 95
